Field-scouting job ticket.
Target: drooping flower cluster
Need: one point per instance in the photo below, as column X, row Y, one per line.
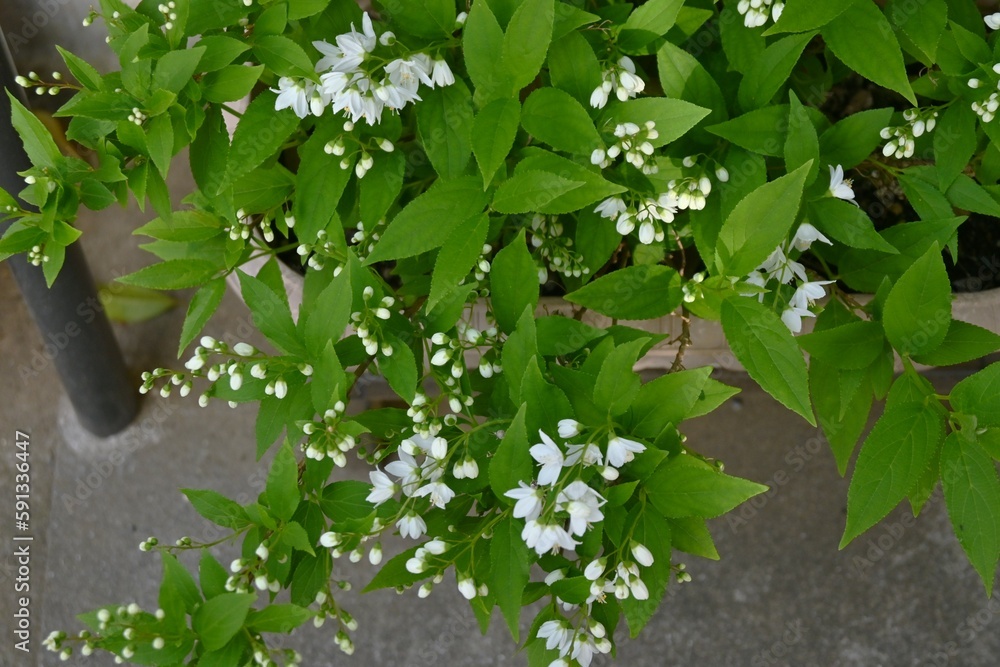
column 553, row 250
column 634, row 142
column 902, row 138
column 321, row 252
column 780, row 267
column 650, row 213
column 325, row 439
column 695, row 185
column 559, row 505
column 619, row 78
column 449, row 353
column 987, row 108
column 357, row 86
column 579, row 644
column 623, row 580
column 756, row 12
column 368, row 323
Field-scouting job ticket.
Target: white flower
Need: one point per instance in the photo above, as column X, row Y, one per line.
column 293, row 94
column 569, row 428
column 611, row 208
column 641, row 554
column 583, row 505
column 806, row 235
column 623, row 450
column 550, row 457
column 596, row 569
column 407, row 470
column 629, row 85
column 993, row 21
column 840, row 188
column 439, row 492
column 778, row 266
column 529, row 501
column 792, row 317
column 599, row 98
column 546, row 537
column 441, row 74
column 409, row 73
column 556, row 634
column 590, row 453
column 411, row 525
column 383, row 488
column 467, row 587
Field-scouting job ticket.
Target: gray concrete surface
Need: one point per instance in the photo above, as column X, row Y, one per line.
column 901, row 596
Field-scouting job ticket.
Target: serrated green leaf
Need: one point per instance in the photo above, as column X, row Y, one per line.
column 554, row 117
column 271, row 314
column 512, row 463
column 532, row 191
column 428, row 220
column 892, row 459
column 203, row 304
column 766, row 76
column 175, row 69
column 513, row 283
column 761, row 131
column 281, row 618
column 38, row 142
column 220, row 51
column 282, row 489
column 527, row 39
column 457, row 257
column 847, row 224
column 853, row 139
column 917, row 312
column 964, row 342
column 217, row 508
column 231, row 83
column 172, row 274
column 685, row 487
column 259, row 135
column 803, row 15
column 647, row 22
column 979, row 395
column 493, row 132
column 802, row 145
column 510, row 566
column 283, row 56
column 444, row 120
column 851, row 346
column 633, row 293
column 219, row 619
column 765, row 347
column 972, row 495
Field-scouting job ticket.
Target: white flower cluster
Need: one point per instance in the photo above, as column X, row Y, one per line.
column 902, row 138
column 780, row 267
column 365, row 161
column 579, row 644
column 320, row 252
column 986, row 109
column 634, row 142
column 37, row 256
column 649, row 212
column 368, row 323
column 450, row 353
column 555, row 251
column 756, row 12
column 351, row 83
column 558, row 495
column 364, row 240
column 622, row 580
column 41, row 88
column 620, row 78
column 324, row 439
column 169, row 14
column 119, row 624
column 252, row 570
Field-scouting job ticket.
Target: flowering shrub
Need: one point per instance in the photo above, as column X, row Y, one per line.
column 430, row 160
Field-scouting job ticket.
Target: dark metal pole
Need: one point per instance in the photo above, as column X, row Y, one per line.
column 77, row 334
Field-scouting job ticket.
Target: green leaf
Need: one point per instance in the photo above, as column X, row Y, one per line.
column 272, row 315
column 270, row 423
column 766, row 76
column 220, row 51
column 310, row 576
column 527, row 39
column 864, row 41
column 457, row 257
column 81, row 69
column 513, row 283
column 558, row 335
column 972, row 495
column 424, row 18
column 925, row 197
column 968, row 195
column 219, row 619
column 493, row 132
column 683, row 77
column 260, row 135
column 211, row 575
column 964, row 342
column 532, row 191
column 686, row 487
column 231, row 83
column 594, row 186
column 400, row 369
column 573, row 66
column 954, row 143
column 647, row 22
column 760, row 223
column 428, row 220
column 847, row 224
column 617, row 385
column 765, row 347
column 174, row 69
column 183, row 227
column 160, row 139
column 690, row 535
column 842, row 406
column 760, row 131
column 634, row 293
column 668, row 399
column 217, row 508
column 130, row 305
column 555, row 118
column 853, row 346
column 917, row 312
column 444, row 119
column 320, row 183
column 924, row 28
column 172, row 274
column 95, row 195
column 510, row 567
column 38, row 142
column 282, row 618
column 345, row 502
column 802, row 145
column 203, row 304
column 484, row 54
column 178, row 580
column 979, row 395
column 512, row 463
column 892, row 460
column 853, row 139
column 282, row 55
column 330, row 313
column 283, row 484
column 673, row 118
column 803, row 15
